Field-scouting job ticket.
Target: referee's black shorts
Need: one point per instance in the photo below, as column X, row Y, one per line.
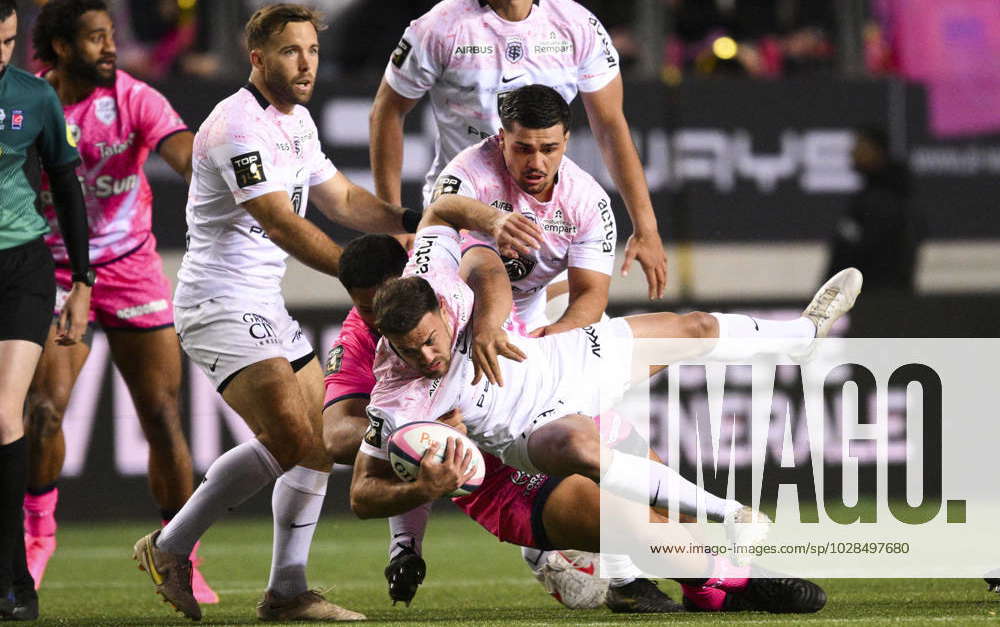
column 27, row 292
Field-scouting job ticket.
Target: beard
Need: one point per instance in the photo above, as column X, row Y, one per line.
column 90, row 72
column 284, row 91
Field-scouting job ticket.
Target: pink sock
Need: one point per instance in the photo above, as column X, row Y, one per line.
column 40, row 513
column 727, row 576
column 709, row 599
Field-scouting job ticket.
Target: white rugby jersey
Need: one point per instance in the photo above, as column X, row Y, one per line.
column 467, row 57
column 578, row 225
column 245, row 149
column 493, row 415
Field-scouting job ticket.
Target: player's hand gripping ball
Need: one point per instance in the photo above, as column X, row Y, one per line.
column 408, row 443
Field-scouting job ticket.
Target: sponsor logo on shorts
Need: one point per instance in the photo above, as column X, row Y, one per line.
column 514, row 50
column 529, row 481
column 518, row 268
column 141, row 310
column 446, row 184
column 402, row 51
column 595, row 340
column 373, row 436
column 248, row 169
column 260, row 329
column 334, row 358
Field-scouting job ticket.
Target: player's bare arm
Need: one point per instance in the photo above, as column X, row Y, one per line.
column 607, row 121
column 513, row 233
column 176, row 151
column 485, row 273
column 344, row 425
column 385, row 128
column 295, row 235
column 355, row 207
column 376, row 491
column 588, row 298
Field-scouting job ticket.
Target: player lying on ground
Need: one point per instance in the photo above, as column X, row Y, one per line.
column 118, row 120
column 534, row 511
column 526, row 424
column 365, row 264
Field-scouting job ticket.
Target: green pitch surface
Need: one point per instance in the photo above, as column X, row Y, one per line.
column 472, row 580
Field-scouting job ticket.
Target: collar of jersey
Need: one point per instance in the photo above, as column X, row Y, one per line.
column 261, row 100
column 483, row 3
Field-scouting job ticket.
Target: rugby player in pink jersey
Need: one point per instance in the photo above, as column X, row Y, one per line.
column 116, row 120
column 468, row 54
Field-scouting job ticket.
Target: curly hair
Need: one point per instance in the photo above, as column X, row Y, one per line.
column 59, row 19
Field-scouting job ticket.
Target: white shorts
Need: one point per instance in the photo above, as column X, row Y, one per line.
column 225, row 335
column 595, row 365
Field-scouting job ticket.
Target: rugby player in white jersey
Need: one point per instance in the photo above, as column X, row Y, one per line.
column 467, row 54
column 257, row 161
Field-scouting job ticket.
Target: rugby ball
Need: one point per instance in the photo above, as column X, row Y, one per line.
column 408, row 443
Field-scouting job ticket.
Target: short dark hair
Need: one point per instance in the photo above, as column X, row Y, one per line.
column 534, row 106
column 59, row 19
column 369, row 260
column 7, row 8
column 401, row 303
column 273, row 18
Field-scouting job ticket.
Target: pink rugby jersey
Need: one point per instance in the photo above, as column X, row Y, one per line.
column 350, row 362
column 467, row 57
column 115, row 128
column 578, row 225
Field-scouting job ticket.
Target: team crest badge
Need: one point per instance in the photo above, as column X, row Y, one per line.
column 515, row 50
column 106, row 110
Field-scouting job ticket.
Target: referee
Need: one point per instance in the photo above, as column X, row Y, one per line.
column 31, row 118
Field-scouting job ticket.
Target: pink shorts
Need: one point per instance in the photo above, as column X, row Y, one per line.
column 509, row 504
column 131, row 292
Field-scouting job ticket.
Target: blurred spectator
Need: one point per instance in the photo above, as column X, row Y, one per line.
column 879, row 233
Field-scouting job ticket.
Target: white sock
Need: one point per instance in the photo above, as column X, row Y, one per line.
column 296, row 504
column 407, row 530
column 619, row 569
column 234, row 477
column 795, row 335
column 664, row 482
column 534, row 558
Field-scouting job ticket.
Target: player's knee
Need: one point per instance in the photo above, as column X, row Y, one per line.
column 44, row 419
column 579, row 449
column 700, row 324
column 290, row 440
